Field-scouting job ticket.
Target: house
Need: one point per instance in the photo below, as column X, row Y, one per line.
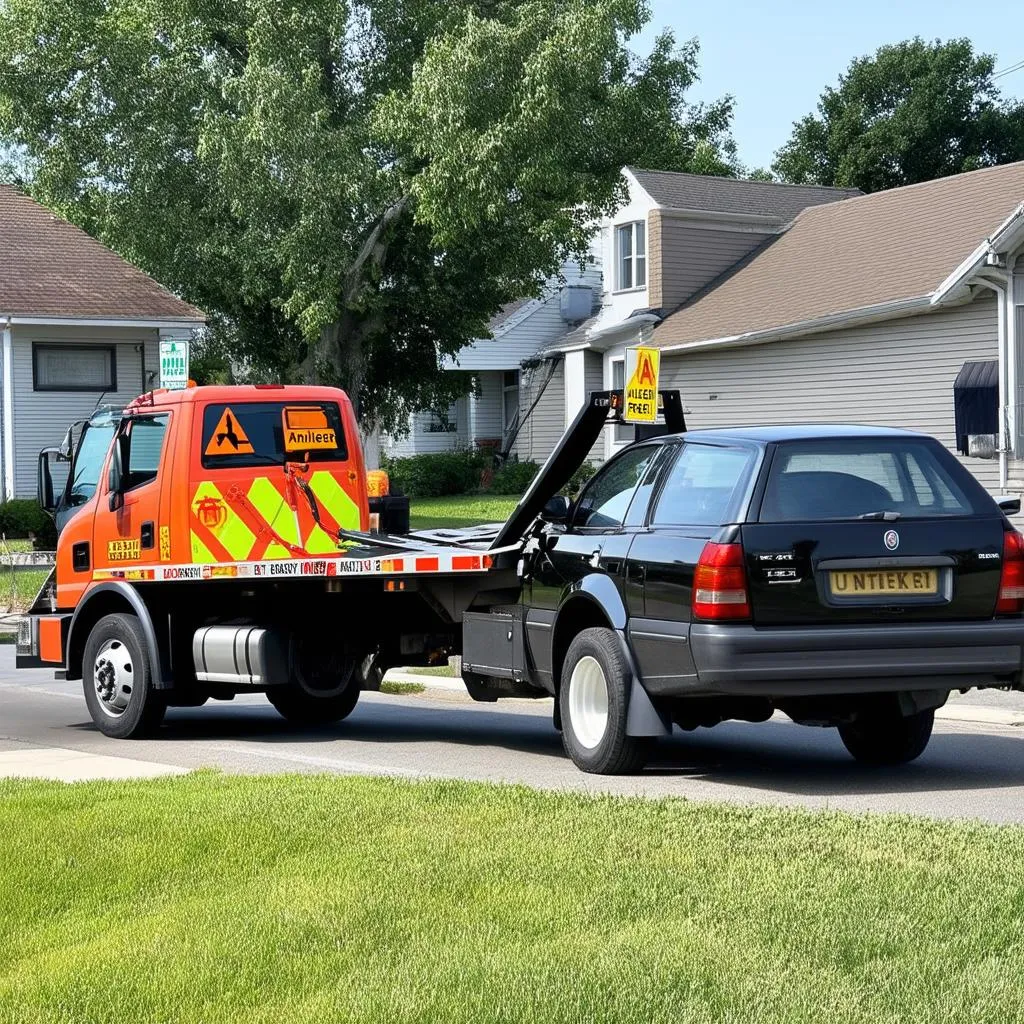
column 81, row 327
column 866, row 310
column 676, row 234
column 503, row 367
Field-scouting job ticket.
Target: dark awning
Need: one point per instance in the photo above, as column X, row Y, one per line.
column 976, row 400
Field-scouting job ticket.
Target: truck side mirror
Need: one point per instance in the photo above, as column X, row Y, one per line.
column 67, row 446
column 44, row 481
column 115, row 480
column 556, row 510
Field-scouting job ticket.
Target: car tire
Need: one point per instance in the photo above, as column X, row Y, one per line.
column 116, row 679
column 887, row 738
column 593, row 702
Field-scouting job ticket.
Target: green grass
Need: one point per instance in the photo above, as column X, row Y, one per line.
column 433, row 670
column 18, row 589
column 16, row 544
column 219, row 899
column 460, row 510
column 394, row 687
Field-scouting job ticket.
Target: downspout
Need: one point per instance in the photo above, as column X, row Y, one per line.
column 1004, row 375
column 8, row 411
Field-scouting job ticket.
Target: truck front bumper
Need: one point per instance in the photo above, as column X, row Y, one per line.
column 808, row 661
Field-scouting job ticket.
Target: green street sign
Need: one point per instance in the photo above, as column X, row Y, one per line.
column 174, row 363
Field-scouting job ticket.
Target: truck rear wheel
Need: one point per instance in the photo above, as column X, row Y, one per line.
column 324, row 685
column 593, row 701
column 887, row 737
column 116, row 679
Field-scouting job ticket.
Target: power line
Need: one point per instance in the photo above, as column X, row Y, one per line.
column 1008, row 71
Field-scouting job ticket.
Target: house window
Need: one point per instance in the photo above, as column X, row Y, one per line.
column 443, row 422
column 74, row 368
column 631, row 255
column 623, row 433
column 509, row 400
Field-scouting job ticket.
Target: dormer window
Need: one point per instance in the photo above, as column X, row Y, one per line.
column 631, row 255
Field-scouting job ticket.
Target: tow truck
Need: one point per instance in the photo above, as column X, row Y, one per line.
column 217, row 540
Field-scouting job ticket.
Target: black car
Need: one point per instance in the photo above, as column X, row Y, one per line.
column 848, row 576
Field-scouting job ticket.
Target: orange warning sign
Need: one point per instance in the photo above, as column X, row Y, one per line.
column 641, row 398
column 306, row 429
column 229, row 438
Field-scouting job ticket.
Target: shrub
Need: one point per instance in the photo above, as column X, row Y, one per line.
column 436, row 474
column 20, row 517
column 579, row 479
column 514, row 477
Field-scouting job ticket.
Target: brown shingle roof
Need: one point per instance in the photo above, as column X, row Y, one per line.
column 506, row 311
column 862, row 252
column 711, row 194
column 50, row 268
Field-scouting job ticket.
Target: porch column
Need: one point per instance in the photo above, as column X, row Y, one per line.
column 575, row 385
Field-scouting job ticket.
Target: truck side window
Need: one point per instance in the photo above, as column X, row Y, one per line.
column 145, row 443
column 604, row 503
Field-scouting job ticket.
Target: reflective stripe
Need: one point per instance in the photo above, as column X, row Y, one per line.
column 220, row 518
column 200, row 552
column 270, row 504
column 334, row 500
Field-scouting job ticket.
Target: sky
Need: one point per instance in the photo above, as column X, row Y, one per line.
column 776, row 56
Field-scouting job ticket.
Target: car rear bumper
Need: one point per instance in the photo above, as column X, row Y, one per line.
column 742, row 659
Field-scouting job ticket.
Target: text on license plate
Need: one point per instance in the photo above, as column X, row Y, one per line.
column 848, row 583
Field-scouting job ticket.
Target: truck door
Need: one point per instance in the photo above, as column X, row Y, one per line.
column 129, row 514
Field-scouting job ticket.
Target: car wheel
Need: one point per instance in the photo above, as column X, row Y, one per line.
column 116, row 679
column 593, row 701
column 887, row 737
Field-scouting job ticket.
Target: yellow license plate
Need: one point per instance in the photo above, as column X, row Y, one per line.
column 871, row 582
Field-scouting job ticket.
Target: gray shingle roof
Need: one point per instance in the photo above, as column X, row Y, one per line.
column 734, row 195
column 53, row 269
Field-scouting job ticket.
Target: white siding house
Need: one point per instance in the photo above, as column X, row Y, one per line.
column 80, row 328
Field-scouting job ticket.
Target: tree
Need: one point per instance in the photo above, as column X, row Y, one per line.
column 352, row 187
column 913, row 112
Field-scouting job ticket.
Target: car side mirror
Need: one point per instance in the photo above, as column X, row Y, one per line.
column 115, row 480
column 556, row 510
column 1009, row 505
column 44, row 481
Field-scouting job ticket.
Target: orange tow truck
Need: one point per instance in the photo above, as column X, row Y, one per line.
column 214, row 541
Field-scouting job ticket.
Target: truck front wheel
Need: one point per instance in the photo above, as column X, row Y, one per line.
column 593, row 701
column 116, row 679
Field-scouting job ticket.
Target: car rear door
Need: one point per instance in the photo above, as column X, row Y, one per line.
column 880, row 528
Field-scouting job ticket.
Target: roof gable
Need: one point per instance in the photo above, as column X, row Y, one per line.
column 737, row 196
column 870, row 251
column 53, row 269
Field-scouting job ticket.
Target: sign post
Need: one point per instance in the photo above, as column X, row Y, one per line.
column 641, row 395
column 174, row 363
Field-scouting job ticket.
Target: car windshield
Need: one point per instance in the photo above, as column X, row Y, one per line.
column 866, row 478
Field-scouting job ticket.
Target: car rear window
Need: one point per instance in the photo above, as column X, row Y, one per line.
column 863, row 477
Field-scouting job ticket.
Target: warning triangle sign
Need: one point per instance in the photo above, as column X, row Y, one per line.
column 228, row 437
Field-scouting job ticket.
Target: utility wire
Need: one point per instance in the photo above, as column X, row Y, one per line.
column 1008, row 71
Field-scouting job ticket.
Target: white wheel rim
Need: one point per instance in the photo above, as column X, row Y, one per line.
column 588, row 702
column 113, row 676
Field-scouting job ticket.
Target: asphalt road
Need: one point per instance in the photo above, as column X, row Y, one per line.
column 969, row 770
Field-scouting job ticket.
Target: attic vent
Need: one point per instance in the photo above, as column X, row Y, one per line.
column 577, row 302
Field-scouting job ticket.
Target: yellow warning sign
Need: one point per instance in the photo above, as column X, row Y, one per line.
column 306, row 429
column 229, row 438
column 165, row 543
column 642, row 366
column 124, row 550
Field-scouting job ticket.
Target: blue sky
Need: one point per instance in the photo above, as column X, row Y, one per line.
column 776, row 56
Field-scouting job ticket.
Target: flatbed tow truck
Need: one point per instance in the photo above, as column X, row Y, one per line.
column 216, row 541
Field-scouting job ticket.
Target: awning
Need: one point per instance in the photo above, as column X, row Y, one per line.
column 976, row 401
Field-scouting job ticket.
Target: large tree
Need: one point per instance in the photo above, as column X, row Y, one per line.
column 351, row 187
column 912, row 112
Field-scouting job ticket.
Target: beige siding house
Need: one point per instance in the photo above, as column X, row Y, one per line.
column 81, row 327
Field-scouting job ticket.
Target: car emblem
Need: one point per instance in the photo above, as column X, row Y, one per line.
column 892, row 540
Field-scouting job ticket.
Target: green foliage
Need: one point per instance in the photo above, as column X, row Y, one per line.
column 20, row 517
column 912, row 112
column 235, row 900
column 436, row 474
column 351, row 189
column 514, row 477
column 579, row 478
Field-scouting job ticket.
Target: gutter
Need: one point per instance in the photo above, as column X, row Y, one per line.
column 987, row 254
column 78, row 321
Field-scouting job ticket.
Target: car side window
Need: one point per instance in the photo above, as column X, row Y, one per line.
column 703, row 485
column 604, row 503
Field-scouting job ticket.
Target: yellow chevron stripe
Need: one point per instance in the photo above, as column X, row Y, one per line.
column 232, row 532
column 200, row 552
column 270, row 503
column 332, row 497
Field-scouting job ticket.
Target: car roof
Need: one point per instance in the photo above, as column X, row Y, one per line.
column 798, row 432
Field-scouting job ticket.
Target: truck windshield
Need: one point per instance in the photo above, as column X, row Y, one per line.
column 92, row 450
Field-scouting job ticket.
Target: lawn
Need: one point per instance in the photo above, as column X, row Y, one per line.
column 219, row 899
column 19, row 588
column 460, row 510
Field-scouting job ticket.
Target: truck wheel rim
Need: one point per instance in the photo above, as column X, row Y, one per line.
column 588, row 702
column 113, row 677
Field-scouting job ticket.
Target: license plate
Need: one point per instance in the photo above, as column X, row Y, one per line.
column 884, row 582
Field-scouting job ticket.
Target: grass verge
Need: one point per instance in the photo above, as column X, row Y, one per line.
column 397, row 688
column 216, row 898
column 459, row 510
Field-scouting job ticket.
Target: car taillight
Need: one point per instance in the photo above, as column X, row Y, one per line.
column 720, row 583
column 1011, row 583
